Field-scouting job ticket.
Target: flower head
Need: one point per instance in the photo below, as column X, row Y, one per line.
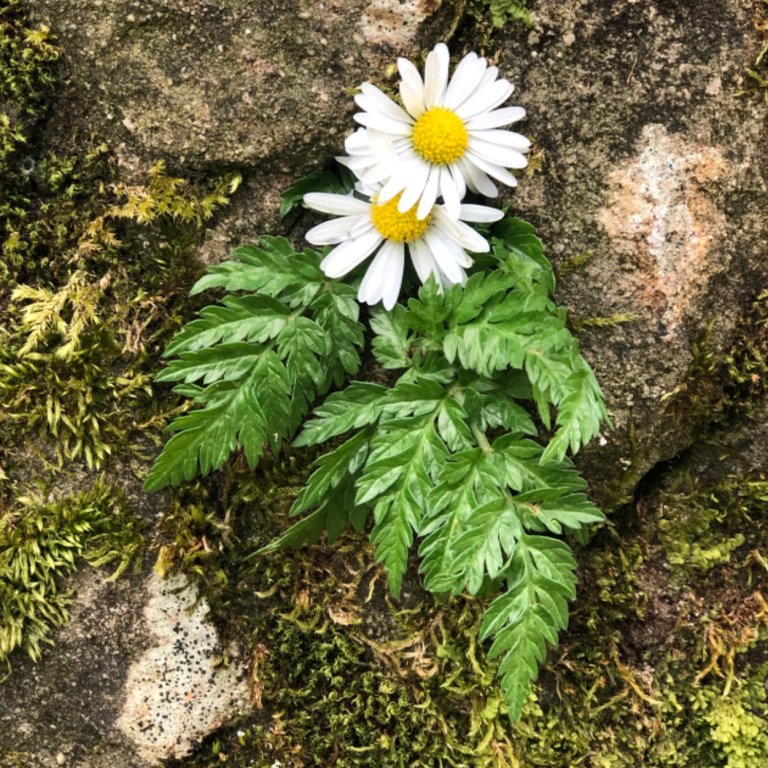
column 435, row 242
column 445, row 140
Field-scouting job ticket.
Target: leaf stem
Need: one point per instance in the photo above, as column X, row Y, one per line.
column 482, row 440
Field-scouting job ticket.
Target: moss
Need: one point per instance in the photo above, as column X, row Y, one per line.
column 94, row 280
column 700, row 527
column 42, row 540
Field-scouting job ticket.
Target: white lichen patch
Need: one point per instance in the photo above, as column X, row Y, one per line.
column 394, row 22
column 663, row 223
column 176, row 694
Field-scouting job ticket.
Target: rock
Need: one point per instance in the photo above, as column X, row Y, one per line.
column 131, row 679
column 217, row 83
column 662, row 176
column 176, row 692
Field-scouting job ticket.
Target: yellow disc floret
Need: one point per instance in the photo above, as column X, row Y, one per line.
column 400, row 227
column 440, row 136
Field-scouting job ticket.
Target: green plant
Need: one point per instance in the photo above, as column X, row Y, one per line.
column 502, row 11
column 41, row 542
column 260, row 359
column 445, row 454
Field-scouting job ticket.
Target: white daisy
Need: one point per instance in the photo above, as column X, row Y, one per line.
column 436, row 242
column 447, row 140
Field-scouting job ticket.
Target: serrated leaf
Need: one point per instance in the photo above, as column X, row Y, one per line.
column 241, row 318
column 359, row 405
column 334, row 467
column 272, row 268
column 579, row 415
column 489, row 532
column 406, row 455
column 391, row 343
column 227, row 362
column 428, row 313
column 467, row 482
column 247, row 412
column 541, row 575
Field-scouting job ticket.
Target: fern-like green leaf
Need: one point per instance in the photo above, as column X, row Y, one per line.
column 250, row 412
column 540, row 576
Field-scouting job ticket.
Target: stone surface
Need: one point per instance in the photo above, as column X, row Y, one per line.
column 214, row 83
column 179, row 691
column 131, row 679
column 651, row 163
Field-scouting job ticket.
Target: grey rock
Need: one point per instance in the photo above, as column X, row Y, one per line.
column 135, row 677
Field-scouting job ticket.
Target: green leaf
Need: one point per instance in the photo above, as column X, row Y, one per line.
column 336, row 511
column 334, row 467
column 242, row 318
column 247, row 412
column 552, row 510
column 540, row 576
column 489, row 532
column 359, row 405
column 273, row 268
column 467, row 482
column 228, row 362
column 337, row 311
column 428, row 313
column 406, row 455
column 579, row 415
column 523, row 253
column 316, row 181
column 392, row 340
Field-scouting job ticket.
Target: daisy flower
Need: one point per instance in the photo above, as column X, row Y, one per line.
column 436, row 242
column 446, row 139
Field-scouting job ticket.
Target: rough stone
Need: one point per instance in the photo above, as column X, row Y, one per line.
column 662, row 176
column 133, row 678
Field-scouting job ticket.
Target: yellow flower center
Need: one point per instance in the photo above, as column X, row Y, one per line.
column 400, row 227
column 440, row 136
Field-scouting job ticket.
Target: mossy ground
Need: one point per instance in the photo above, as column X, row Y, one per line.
column 666, row 659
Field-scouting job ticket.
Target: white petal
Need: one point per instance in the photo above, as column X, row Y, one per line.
column 461, row 163
column 485, row 100
column 394, row 276
column 382, row 146
column 475, row 177
column 383, row 103
column 345, row 257
column 423, row 260
column 411, row 88
column 502, row 174
column 458, row 177
column 332, row 231
column 357, row 142
column 356, row 162
column 375, row 280
column 489, row 77
column 496, row 119
column 461, row 233
column 436, row 76
column 449, row 192
column 414, row 189
column 480, row 213
column 341, row 205
column 495, row 153
column 443, row 255
column 378, row 174
column 430, row 193
column 503, row 138
column 364, row 225
column 466, row 78
column 402, row 176
column 380, row 122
